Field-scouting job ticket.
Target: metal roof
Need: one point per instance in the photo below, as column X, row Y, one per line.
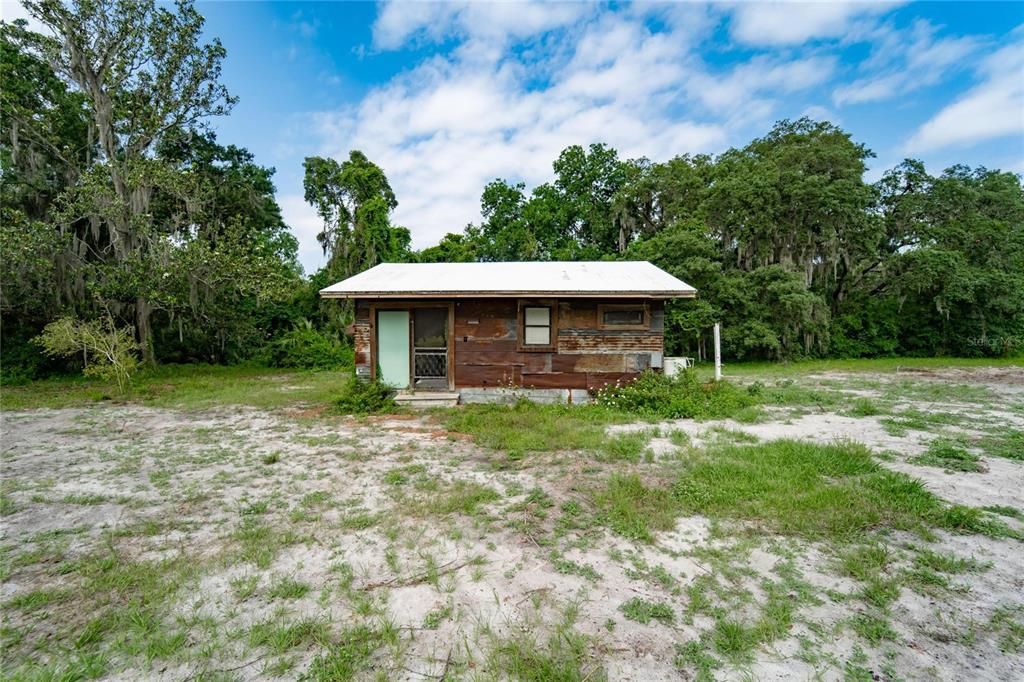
column 606, row 279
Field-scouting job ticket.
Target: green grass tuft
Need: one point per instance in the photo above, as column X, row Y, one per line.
column 643, row 611
column 633, row 510
column 945, row 453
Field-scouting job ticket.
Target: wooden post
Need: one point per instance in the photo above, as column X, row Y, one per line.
column 718, row 352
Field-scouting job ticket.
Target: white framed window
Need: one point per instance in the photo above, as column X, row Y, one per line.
column 536, row 326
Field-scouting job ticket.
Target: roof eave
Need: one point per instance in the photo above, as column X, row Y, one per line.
column 392, row 295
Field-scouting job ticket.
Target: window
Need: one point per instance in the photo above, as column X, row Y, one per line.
column 615, row 318
column 623, row 316
column 536, row 326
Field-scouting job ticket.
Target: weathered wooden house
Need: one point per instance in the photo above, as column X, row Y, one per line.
column 472, row 331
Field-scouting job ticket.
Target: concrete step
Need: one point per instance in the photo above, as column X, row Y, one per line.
column 427, row 399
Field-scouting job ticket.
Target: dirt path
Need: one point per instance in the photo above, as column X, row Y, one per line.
column 284, row 534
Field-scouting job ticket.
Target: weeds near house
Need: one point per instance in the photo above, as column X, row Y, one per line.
column 654, row 395
column 528, row 427
column 365, row 397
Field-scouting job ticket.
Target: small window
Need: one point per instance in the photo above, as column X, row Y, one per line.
column 537, row 326
column 623, row 316
column 628, row 316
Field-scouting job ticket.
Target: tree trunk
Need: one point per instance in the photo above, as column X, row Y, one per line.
column 143, row 311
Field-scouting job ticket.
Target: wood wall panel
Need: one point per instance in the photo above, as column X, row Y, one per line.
column 487, row 353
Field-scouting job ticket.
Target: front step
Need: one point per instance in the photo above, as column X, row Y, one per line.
column 427, row 399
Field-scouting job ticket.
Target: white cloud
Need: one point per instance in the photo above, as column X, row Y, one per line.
column 12, row 9
column 992, row 109
column 522, row 81
column 447, row 127
column 402, row 22
column 795, row 23
column 905, row 61
column 631, row 78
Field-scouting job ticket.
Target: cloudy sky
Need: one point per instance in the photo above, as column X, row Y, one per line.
column 448, row 96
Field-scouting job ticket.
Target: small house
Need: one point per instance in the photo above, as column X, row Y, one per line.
column 473, row 331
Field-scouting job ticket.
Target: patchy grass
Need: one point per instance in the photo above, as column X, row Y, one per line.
column 1007, row 624
column 563, row 657
column 279, row 636
column 643, row 611
column 1006, row 442
column 457, row 496
column 186, row 386
column 834, row 492
column 634, row 510
column 893, row 366
column 919, row 420
column 866, row 407
column 949, row 455
column 352, row 654
column 304, row 538
column 286, row 587
column 528, row 427
column 627, row 445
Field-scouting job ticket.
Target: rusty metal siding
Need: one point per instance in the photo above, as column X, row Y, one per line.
column 488, row 353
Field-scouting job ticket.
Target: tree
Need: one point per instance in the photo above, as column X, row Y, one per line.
column 144, row 73
column 958, row 269
column 453, row 248
column 354, row 200
column 504, row 234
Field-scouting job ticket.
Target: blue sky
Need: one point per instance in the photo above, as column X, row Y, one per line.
column 448, row 96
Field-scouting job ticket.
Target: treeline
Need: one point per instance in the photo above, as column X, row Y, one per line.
column 790, row 249
column 119, row 204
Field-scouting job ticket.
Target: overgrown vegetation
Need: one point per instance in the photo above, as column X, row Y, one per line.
column 108, row 351
column 526, row 426
column 365, row 397
column 307, row 348
column 655, row 395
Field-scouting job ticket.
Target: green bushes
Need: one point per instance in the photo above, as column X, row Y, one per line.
column 307, row 348
column 365, row 397
column 658, row 396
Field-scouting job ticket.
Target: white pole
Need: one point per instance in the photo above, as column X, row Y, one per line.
column 718, row 352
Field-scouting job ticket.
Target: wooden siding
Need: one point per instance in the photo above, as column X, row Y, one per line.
column 487, row 351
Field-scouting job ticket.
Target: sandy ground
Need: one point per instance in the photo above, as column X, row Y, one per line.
column 163, row 483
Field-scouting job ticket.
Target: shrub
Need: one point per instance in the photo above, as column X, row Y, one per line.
column 307, row 348
column 365, row 397
column 656, row 395
column 109, row 350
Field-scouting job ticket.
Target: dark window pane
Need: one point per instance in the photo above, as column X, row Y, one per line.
column 430, row 327
column 631, row 317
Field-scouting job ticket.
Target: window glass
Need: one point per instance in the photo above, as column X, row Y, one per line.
column 633, row 316
column 538, row 316
column 538, row 336
column 537, row 326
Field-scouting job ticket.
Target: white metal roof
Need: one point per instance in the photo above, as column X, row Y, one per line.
column 609, row 279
